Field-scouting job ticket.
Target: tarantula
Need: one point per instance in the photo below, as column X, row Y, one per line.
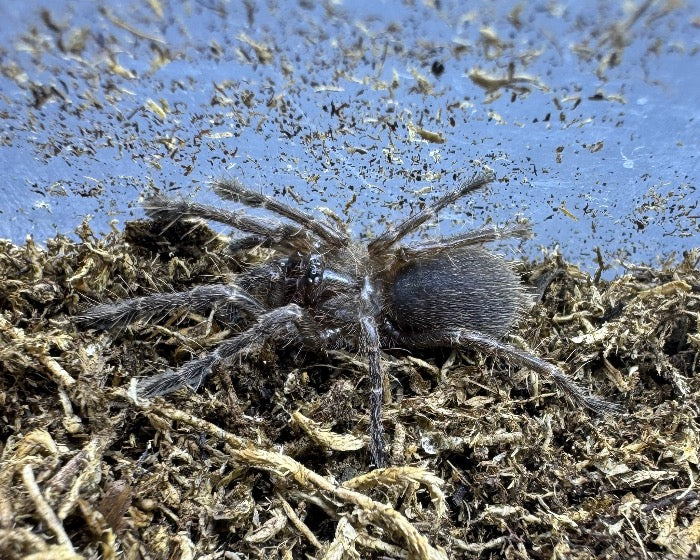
column 327, row 291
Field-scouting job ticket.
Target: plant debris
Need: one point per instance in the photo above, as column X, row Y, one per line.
column 269, row 459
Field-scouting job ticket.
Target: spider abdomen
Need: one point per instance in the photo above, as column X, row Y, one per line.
column 471, row 288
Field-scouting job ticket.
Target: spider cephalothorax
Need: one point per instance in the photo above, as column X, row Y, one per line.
column 324, row 290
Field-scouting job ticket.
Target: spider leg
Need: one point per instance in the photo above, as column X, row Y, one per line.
column 241, row 244
column 467, row 338
column 475, row 237
column 381, row 243
column 228, row 301
column 232, row 189
column 272, row 232
column 278, row 324
column 369, row 346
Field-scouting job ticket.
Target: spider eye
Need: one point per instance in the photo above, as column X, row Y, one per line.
column 315, row 270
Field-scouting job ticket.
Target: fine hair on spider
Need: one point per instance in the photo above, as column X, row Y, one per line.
column 323, row 290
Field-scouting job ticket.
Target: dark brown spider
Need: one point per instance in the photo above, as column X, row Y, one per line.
column 325, row 291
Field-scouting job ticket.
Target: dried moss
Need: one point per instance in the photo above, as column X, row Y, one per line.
column 269, row 459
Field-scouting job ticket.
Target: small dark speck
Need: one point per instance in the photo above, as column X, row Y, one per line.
column 612, row 313
column 437, row 68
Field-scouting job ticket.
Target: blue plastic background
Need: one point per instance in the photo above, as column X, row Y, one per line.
column 249, row 89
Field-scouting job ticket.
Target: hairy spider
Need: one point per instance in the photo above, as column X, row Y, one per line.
column 325, row 290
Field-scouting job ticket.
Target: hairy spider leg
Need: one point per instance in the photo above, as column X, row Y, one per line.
column 369, row 346
column 279, row 323
column 240, row 244
column 380, row 244
column 470, row 238
column 227, row 300
column 274, row 233
column 231, row 189
column 465, row 338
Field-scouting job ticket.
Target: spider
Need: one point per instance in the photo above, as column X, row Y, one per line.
column 325, row 291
